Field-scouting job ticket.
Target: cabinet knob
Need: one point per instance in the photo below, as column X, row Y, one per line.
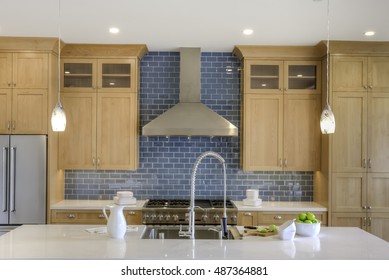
column 285, row 162
column 364, row 163
column 9, row 84
column 93, row 161
column 101, row 216
column 71, row 216
column 365, row 87
column 370, row 87
column 131, row 213
column 369, row 221
column 277, row 217
column 13, row 125
column 369, row 207
column 247, row 214
column 369, row 162
column 98, row 161
column 14, row 84
column 9, row 125
column 364, row 207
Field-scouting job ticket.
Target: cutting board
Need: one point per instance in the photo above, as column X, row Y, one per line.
column 254, row 232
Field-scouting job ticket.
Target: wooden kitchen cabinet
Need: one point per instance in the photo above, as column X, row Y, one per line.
column 281, row 106
column 133, row 217
column 282, row 76
column 100, row 96
column 24, row 90
column 247, row 218
column 281, row 132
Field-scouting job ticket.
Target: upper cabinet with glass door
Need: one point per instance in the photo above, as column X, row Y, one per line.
column 108, row 75
column 282, row 76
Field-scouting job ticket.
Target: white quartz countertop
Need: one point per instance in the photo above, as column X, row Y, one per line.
column 299, row 206
column 70, row 204
column 74, row 242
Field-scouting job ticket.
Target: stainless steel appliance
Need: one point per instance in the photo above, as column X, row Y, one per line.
column 176, row 212
column 22, row 180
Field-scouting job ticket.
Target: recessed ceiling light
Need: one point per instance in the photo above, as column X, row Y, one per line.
column 248, row 31
column 369, row 33
column 114, row 30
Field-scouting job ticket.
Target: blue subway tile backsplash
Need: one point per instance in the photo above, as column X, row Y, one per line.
column 165, row 163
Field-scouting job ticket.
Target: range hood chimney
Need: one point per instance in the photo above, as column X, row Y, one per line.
column 189, row 117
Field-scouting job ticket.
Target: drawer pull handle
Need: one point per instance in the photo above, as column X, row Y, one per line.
column 277, row 217
column 131, row 213
column 101, row 216
column 71, row 216
column 247, row 214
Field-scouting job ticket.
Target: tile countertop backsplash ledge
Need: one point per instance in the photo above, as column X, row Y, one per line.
column 165, row 163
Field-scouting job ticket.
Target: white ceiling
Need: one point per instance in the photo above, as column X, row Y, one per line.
column 213, row 25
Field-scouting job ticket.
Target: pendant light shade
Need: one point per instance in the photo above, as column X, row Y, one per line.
column 58, row 118
column 327, row 120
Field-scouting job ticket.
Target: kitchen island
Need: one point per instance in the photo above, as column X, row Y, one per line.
column 75, row 242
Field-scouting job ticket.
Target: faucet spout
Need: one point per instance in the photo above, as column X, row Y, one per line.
column 191, row 230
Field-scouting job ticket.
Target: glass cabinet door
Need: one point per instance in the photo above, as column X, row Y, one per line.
column 78, row 74
column 116, row 75
column 263, row 76
column 302, row 77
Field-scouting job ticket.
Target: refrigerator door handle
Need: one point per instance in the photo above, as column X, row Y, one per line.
column 12, row 178
column 4, row 206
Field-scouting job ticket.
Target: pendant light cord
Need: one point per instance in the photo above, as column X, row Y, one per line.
column 59, row 49
column 328, row 49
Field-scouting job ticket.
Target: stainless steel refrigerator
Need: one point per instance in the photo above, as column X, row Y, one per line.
column 22, row 180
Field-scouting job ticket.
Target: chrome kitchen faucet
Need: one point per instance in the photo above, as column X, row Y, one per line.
column 191, row 230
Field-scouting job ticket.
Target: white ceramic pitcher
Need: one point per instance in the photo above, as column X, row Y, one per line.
column 117, row 225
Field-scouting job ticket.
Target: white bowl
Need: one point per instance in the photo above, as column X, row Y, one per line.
column 252, row 202
column 305, row 229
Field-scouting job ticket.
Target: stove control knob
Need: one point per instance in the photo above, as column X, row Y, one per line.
column 145, row 218
column 234, row 219
column 160, row 217
column 175, row 218
column 153, row 217
column 167, row 218
column 216, row 218
column 204, row 218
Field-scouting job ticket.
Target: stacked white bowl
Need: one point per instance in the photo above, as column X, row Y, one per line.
column 252, row 198
column 124, row 197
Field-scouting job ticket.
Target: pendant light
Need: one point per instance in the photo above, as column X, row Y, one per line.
column 327, row 118
column 58, row 116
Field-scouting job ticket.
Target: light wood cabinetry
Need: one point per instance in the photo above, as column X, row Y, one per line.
column 100, row 95
column 133, row 217
column 24, row 92
column 280, row 109
column 265, row 218
column 359, row 149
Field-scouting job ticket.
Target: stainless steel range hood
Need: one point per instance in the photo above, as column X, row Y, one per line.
column 190, row 117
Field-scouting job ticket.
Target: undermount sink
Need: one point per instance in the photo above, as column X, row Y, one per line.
column 201, row 232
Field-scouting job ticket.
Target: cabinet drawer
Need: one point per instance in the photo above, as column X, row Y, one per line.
column 78, row 217
column 278, row 218
column 133, row 217
column 247, row 218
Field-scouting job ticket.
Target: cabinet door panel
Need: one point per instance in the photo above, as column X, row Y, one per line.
column 302, row 77
column 378, row 74
column 5, row 70
column 29, row 111
column 348, row 192
column 5, row 111
column 117, row 131
column 350, row 140
column 349, row 74
column 77, row 144
column 378, row 132
column 263, row 127
column 117, row 75
column 378, row 224
column 79, row 75
column 302, row 132
column 378, row 192
column 349, row 220
column 263, row 76
column 30, row 70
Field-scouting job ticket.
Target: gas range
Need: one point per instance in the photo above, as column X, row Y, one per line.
column 176, row 211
